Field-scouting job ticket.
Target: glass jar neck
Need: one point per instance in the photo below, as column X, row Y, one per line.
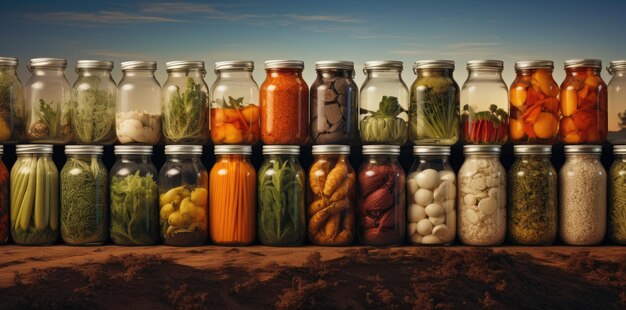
column 541, row 157
column 139, row 73
column 40, row 155
column 240, row 157
column 483, row 156
column 84, row 156
column 128, row 158
column 618, row 72
column 582, row 156
column 281, row 156
column 484, row 74
column 296, row 73
column 339, row 157
column 10, row 70
column 49, row 71
column 383, row 74
column 586, row 70
column 234, row 74
column 443, row 159
column 183, row 158
column 434, row 72
column 194, row 73
column 529, row 72
column 94, row 73
column 381, row 158
column 329, row 73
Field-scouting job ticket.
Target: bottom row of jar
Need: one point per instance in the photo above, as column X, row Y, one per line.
column 131, row 207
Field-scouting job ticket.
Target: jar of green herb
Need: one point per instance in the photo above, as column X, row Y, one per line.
column 617, row 196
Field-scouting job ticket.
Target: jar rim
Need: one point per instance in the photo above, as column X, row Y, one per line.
column 179, row 149
column 330, row 149
column 616, row 64
column 84, row 149
column 383, row 65
column 233, row 150
column 431, row 150
column 281, row 150
column 181, row 65
column 433, row 64
column 139, row 65
column 9, row 61
column 481, row 149
column 47, row 63
column 619, row 149
column 94, row 64
column 534, row 64
column 133, row 150
column 284, row 64
column 247, row 65
column 533, row 149
column 381, row 149
column 583, row 149
column 490, row 64
column 33, row 149
column 583, row 62
column 334, row 64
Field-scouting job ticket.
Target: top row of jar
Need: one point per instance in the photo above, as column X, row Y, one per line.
column 284, row 111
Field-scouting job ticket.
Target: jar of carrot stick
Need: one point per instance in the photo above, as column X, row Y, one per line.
column 332, row 193
column 284, row 97
column 232, row 196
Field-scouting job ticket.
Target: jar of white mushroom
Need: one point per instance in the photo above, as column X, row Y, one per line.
column 482, row 196
column 431, row 190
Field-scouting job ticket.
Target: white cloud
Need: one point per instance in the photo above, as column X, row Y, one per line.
column 100, row 17
column 117, row 54
column 324, row 18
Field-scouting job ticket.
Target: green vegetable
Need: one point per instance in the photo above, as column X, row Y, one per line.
column 281, row 202
column 185, row 116
column 134, row 210
column 11, row 108
column 434, row 111
column 617, row 202
column 93, row 116
column 49, row 117
column 384, row 125
column 84, row 209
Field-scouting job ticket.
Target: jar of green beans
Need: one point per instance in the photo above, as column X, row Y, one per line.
column 617, row 196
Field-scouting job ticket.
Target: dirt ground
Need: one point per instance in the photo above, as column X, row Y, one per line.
column 62, row 277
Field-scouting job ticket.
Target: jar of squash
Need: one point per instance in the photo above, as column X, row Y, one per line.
column 332, row 194
column 232, row 192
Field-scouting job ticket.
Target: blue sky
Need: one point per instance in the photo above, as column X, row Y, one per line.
column 314, row 30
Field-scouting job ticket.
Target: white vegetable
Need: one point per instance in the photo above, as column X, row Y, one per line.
column 423, row 197
column 428, row 179
column 434, row 209
column 424, row 227
column 416, row 213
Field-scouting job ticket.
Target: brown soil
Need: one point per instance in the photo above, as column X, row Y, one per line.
column 312, row 277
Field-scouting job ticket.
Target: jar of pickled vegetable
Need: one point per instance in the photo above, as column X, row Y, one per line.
column 617, row 196
column 617, row 102
column 284, row 99
column 281, row 217
column 582, row 189
column 34, row 196
column 235, row 104
column 11, row 102
column 138, row 105
column 232, row 192
column 84, row 196
column 184, row 196
column 47, row 95
column 434, row 111
column 332, row 196
column 482, row 197
column 484, row 98
column 134, row 197
column 533, row 197
column 431, row 194
column 381, row 212
column 583, row 103
column 93, row 103
column 4, row 200
column 334, row 103
column 383, row 104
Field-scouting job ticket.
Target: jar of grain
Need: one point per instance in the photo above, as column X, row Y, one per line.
column 617, row 196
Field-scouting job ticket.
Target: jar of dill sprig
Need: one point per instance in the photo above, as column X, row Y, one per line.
column 617, row 196
column 84, row 196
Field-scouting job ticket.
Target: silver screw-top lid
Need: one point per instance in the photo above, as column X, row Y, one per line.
column 33, row 149
column 329, row 149
column 84, row 149
column 433, row 64
column 481, row 149
column 533, row 149
column 8, row 61
column 381, row 150
column 233, row 150
column 181, row 65
column 616, row 64
column 619, row 149
column 583, row 149
column 94, row 64
column 487, row 64
column 183, row 150
column 281, row 150
column 47, row 63
column 534, row 64
column 383, row 65
column 284, row 64
column 1, row 149
column 138, row 65
column 431, row 150
column 334, row 64
column 578, row 63
column 244, row 65
column 133, row 150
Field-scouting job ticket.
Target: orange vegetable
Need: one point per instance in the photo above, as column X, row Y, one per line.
column 543, row 80
column 584, row 120
column 528, row 129
column 551, row 104
column 518, row 95
column 218, row 116
column 592, row 81
column 567, row 126
column 531, row 114
column 569, row 101
column 572, row 138
column 592, row 136
column 516, row 129
column 546, row 126
column 232, row 135
column 250, row 113
column 218, row 134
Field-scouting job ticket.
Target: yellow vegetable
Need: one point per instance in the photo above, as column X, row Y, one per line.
column 569, row 101
column 176, row 219
column 335, row 178
column 167, row 210
column 187, row 207
column 199, row 196
column 172, row 195
column 317, row 176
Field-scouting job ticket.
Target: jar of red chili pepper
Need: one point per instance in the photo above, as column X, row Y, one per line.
column 284, row 97
column 534, row 104
column 484, row 101
column 4, row 200
column 583, row 103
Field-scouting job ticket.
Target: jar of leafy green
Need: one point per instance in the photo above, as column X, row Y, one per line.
column 281, row 197
column 34, row 196
column 617, row 196
column 434, row 110
column 84, row 196
column 134, row 197
column 11, row 102
column 533, row 197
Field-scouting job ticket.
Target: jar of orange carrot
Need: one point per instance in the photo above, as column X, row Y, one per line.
column 232, row 196
column 583, row 103
column 284, row 97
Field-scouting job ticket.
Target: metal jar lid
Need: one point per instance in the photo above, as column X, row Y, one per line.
column 84, row 149
column 284, row 64
column 138, row 65
column 534, row 64
column 481, row 149
column 133, row 150
column 94, row 64
column 583, row 149
column 47, row 63
column 383, row 65
column 233, row 150
column 486, row 64
column 1, row 149
column 381, row 150
column 33, row 149
column 616, row 64
column 433, row 64
column 431, row 150
column 619, row 149
column 8, row 61
column 245, row 65
column 183, row 150
column 583, row 63
column 334, row 64
column 281, row 150
column 533, row 149
column 181, row 65
column 329, row 149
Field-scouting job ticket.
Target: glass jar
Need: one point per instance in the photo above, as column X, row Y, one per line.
column 48, row 95
column 533, row 197
column 93, row 103
column 185, row 103
column 84, row 196
column 381, row 182
column 134, row 197
column 484, row 98
column 11, row 102
column 34, row 196
column 232, row 192
column 434, row 111
column 482, row 197
column 138, row 106
column 334, row 103
column 284, row 103
column 383, row 104
column 582, row 189
column 184, row 196
column 431, row 194
column 583, row 103
column 617, row 102
column 617, row 196
column 281, row 219
column 332, row 196
column 4, row 200
column 236, row 121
